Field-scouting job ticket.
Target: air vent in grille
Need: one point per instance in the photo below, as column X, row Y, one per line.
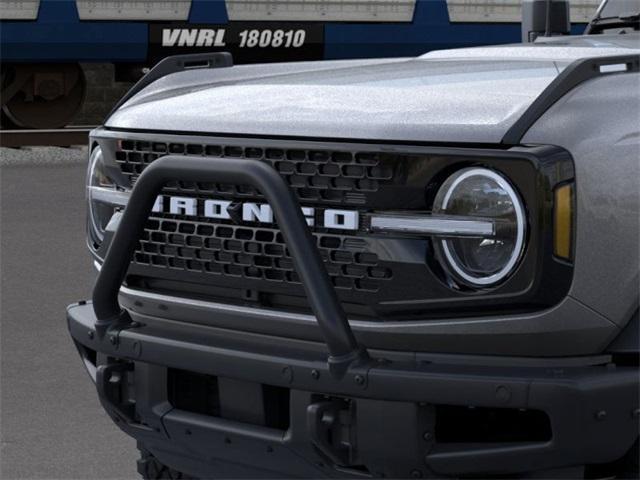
column 315, row 175
column 253, row 253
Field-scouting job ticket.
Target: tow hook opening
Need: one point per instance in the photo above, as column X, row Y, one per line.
column 463, row 424
column 246, row 402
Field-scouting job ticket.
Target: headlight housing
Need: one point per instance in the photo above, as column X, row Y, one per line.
column 104, row 195
column 485, row 260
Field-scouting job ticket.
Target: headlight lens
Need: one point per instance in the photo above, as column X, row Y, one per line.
column 103, row 194
column 486, row 260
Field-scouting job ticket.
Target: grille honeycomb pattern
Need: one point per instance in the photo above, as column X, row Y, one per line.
column 315, row 175
column 221, row 248
column 254, row 253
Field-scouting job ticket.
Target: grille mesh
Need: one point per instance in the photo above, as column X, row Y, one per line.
column 255, row 253
column 314, row 175
column 220, row 248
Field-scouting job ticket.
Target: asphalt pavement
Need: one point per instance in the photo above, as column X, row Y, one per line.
column 51, row 423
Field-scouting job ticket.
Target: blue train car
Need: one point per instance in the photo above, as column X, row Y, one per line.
column 43, row 41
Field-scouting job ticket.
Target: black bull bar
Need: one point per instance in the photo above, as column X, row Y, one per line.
column 342, row 346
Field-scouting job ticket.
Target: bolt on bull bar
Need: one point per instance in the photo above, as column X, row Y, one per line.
column 343, row 349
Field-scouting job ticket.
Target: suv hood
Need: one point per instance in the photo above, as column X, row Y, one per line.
column 467, row 95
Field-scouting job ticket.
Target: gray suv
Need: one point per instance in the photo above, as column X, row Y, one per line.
column 400, row 268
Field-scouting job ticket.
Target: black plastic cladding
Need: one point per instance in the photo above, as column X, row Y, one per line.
column 377, row 276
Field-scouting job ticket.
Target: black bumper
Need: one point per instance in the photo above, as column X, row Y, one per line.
column 393, row 425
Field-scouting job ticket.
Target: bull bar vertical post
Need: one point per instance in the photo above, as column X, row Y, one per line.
column 341, row 344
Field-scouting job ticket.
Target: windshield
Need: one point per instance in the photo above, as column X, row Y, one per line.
column 618, row 8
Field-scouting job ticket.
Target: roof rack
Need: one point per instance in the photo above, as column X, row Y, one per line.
column 573, row 75
column 174, row 64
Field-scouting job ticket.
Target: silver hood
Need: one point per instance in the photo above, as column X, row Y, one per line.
column 468, row 95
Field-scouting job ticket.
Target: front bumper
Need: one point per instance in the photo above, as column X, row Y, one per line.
column 389, row 409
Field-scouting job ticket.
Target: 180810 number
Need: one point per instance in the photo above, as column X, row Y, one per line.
column 272, row 38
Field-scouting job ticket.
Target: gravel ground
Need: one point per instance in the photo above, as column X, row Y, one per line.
column 51, row 423
column 42, row 156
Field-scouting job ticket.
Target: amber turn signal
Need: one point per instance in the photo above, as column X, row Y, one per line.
column 563, row 222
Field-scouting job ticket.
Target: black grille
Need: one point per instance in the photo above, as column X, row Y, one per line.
column 254, row 253
column 218, row 247
column 314, row 175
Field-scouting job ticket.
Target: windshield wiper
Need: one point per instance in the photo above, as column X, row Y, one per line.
column 599, row 25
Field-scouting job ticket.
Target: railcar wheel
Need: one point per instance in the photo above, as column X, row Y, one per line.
column 42, row 96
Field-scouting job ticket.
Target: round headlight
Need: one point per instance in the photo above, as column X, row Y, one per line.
column 103, row 194
column 481, row 193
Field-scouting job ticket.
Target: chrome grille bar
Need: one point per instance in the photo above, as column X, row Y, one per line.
column 439, row 225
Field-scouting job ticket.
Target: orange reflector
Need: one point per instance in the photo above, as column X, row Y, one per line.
column 563, row 222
